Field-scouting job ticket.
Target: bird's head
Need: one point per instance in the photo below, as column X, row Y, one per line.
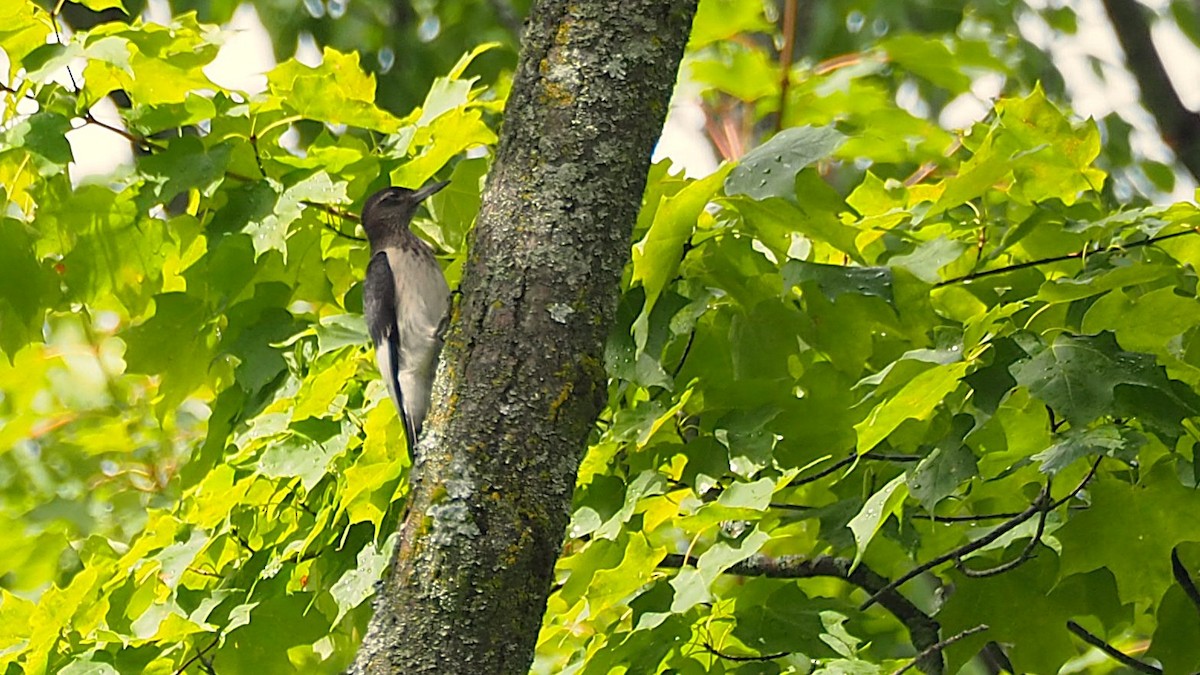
column 391, row 209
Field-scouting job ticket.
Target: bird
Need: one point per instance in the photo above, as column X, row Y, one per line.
column 405, row 302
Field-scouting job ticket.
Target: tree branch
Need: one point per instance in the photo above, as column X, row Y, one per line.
column 1112, row 651
column 1026, row 553
column 940, row 646
column 923, row 630
column 987, row 538
column 1179, row 126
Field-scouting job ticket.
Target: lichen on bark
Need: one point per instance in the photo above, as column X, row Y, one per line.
column 520, row 383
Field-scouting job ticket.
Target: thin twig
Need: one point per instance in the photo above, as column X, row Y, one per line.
column 29, row 95
column 58, row 36
column 1112, row 651
column 999, row 516
column 1058, row 258
column 958, row 552
column 1184, row 579
column 849, row 459
column 965, row 519
column 1026, row 554
column 786, row 56
column 199, row 655
column 143, row 143
column 940, row 646
column 204, row 573
column 891, row 457
column 742, row 659
column 687, row 349
column 245, row 544
column 1078, row 488
column 790, row 507
column 332, row 210
column 928, row 168
column 988, row 538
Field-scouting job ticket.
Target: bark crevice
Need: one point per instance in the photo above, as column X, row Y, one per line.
column 520, row 382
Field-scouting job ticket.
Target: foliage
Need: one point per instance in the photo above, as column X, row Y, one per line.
column 871, row 345
column 198, row 455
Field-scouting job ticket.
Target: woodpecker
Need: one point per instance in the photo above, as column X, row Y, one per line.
column 405, row 302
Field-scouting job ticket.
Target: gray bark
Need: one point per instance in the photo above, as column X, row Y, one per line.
column 522, row 375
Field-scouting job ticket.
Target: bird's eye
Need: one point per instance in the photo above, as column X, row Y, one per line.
column 395, row 195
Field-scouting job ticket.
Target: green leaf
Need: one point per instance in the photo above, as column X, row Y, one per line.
column 336, row 92
column 770, row 169
column 45, row 134
column 1058, row 163
column 1066, row 289
column 915, row 401
column 451, row 91
column 1027, row 608
column 1143, row 321
column 776, row 616
column 836, row 280
column 928, row 258
column 100, row 5
column 692, row 584
column 646, row 484
column 296, row 457
column 930, row 59
column 779, row 224
column 637, row 567
column 26, row 288
column 1176, row 640
column 87, row 666
column 837, row 637
column 1187, row 18
column 321, row 393
column 22, row 30
column 756, row 495
column 449, row 135
column 1078, row 376
column 940, row 473
column 656, row 257
column 186, row 164
column 177, row 321
column 340, row 330
column 1130, row 531
column 1108, row 440
column 881, row 505
column 359, row 583
column 154, row 64
column 722, row 19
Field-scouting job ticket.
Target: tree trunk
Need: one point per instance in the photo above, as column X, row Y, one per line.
column 522, row 375
column 1179, row 126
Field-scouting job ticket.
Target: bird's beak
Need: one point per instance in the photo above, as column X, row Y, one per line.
column 427, row 191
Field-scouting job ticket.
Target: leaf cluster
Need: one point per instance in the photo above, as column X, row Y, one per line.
column 881, row 393
column 873, row 357
column 199, row 467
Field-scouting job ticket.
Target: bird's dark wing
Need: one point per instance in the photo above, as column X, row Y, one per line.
column 379, row 309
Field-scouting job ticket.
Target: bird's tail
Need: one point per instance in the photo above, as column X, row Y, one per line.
column 389, row 361
column 410, row 433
